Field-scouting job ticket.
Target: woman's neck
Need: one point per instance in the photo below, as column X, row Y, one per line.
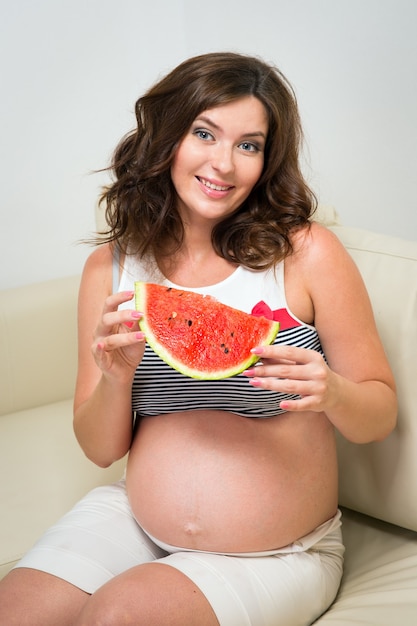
column 196, row 266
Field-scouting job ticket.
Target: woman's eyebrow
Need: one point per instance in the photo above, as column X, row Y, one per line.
column 207, row 120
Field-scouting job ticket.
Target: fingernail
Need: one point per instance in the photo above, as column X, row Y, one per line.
column 255, row 382
column 129, row 324
column 257, row 350
column 136, row 314
column 140, row 335
column 250, row 372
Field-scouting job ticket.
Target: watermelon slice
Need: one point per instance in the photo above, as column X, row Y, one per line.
column 197, row 335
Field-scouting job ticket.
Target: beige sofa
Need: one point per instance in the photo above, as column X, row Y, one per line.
column 43, row 472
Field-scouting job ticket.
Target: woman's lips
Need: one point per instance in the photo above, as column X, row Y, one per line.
column 214, row 185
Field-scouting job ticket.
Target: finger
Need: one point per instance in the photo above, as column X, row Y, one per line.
column 305, row 395
column 280, row 371
column 113, row 319
column 119, row 340
column 284, row 353
column 288, row 386
column 111, row 305
column 302, row 404
column 113, row 301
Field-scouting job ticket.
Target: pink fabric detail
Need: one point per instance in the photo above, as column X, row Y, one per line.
column 279, row 315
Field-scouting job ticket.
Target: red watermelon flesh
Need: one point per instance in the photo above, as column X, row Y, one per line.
column 197, row 335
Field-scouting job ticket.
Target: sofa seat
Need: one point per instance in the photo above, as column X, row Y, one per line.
column 379, row 585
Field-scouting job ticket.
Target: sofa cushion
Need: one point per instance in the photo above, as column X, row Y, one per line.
column 380, row 479
column 44, row 472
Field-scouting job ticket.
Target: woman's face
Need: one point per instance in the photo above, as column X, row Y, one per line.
column 220, row 159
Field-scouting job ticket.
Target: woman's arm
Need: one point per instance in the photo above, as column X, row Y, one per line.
column 356, row 389
column 110, row 347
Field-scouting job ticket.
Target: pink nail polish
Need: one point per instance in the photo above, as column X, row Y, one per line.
column 250, row 372
column 257, row 350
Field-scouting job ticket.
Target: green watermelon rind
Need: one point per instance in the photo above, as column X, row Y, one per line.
column 179, row 365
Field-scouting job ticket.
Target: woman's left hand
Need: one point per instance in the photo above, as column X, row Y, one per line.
column 294, row 371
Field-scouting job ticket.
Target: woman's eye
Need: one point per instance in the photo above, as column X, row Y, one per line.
column 203, row 134
column 249, row 147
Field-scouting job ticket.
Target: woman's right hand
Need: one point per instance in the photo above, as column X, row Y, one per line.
column 118, row 343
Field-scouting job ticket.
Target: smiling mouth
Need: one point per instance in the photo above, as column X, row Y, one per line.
column 210, row 185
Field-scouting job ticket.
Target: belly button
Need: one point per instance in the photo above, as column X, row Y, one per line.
column 192, row 529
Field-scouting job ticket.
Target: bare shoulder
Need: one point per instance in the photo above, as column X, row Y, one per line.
column 318, row 266
column 323, row 265
column 101, row 257
column 96, row 282
column 98, row 270
column 325, row 268
column 342, row 309
column 317, row 245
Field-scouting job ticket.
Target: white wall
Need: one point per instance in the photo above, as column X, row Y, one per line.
column 353, row 64
column 72, row 69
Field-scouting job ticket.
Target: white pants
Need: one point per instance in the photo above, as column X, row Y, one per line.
column 99, row 539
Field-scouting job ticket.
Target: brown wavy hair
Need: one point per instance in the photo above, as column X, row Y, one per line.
column 141, row 203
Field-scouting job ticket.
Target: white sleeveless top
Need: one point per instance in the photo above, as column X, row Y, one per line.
column 158, row 388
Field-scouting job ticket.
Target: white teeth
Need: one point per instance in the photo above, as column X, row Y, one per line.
column 212, row 186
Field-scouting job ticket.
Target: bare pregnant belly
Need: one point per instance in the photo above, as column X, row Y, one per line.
column 211, row 480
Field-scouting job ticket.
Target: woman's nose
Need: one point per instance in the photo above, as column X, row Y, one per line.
column 222, row 158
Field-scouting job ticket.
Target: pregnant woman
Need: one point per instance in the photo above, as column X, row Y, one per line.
column 228, row 512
